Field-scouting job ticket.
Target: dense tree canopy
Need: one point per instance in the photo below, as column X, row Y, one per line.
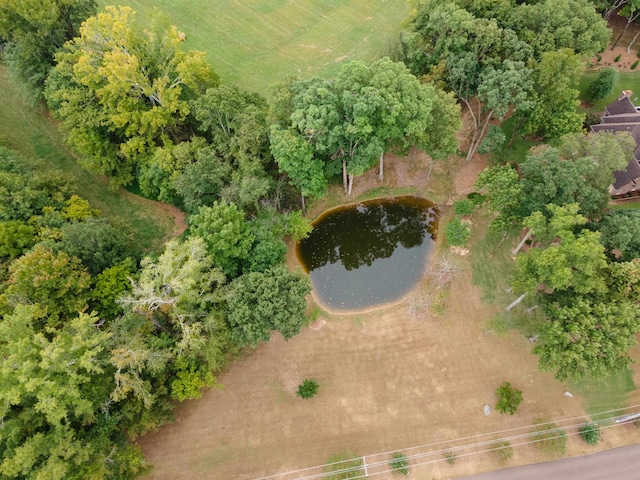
column 121, row 90
column 36, row 29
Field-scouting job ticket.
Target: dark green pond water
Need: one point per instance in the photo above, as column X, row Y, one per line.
column 364, row 255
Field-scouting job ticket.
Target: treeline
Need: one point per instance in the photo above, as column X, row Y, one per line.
column 98, row 340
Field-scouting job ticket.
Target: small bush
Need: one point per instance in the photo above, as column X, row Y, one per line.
column 599, row 57
column 634, row 64
column 476, row 198
column 502, row 451
column 590, row 433
column 399, row 463
column 550, row 439
column 493, row 140
column 307, row 389
column 617, row 59
column 457, row 233
column 603, row 85
column 451, row 458
column 508, row 398
column 463, row 207
column 343, row 466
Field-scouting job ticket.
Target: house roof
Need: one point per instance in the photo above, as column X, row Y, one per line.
column 620, row 106
column 622, row 116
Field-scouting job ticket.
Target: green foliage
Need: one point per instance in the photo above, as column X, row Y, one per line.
column 121, row 91
column 343, row 466
column 189, row 383
column 399, row 463
column 617, row 59
column 34, row 33
column 508, row 398
column 493, row 141
column 590, row 433
column 109, row 286
column 634, row 65
column 55, row 282
column 463, row 207
column 503, row 451
column 16, row 237
column 620, row 233
column 587, row 337
column 97, row 243
column 451, row 458
column 457, row 232
column 298, row 227
column 307, row 389
column 227, row 237
column 603, row 85
column 503, row 191
column 549, row 439
column 258, row 303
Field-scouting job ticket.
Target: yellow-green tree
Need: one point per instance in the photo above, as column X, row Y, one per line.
column 122, row 90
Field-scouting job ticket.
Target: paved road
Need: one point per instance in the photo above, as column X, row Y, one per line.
column 618, row 464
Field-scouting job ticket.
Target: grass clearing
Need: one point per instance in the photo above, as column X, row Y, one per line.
column 626, row 81
column 29, row 130
column 256, row 44
column 603, row 395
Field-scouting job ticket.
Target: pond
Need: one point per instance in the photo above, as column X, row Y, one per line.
column 366, row 255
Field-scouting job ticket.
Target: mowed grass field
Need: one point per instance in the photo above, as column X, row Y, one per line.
column 256, row 43
column 29, row 130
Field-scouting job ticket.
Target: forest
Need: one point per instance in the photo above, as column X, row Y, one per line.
column 101, row 336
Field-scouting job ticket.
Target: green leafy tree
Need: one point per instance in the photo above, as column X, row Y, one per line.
column 555, row 96
column 551, row 25
column 620, row 233
column 503, row 191
column 587, row 337
column 295, row 156
column 235, row 122
column 576, row 264
column 509, row 398
column 121, row 90
column 259, row 303
column 225, row 233
column 52, row 388
column 97, row 243
column 57, row 283
column 35, row 30
column 111, row 284
column 603, row 84
column 16, row 237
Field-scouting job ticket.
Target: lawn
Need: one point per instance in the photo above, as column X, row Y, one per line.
column 29, row 130
column 256, row 43
column 626, row 81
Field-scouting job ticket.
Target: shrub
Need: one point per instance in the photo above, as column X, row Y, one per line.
column 457, row 233
column 508, row 398
column 343, row 466
column 550, row 439
column 493, row 140
column 307, row 389
column 502, row 451
column 463, row 207
column 634, row 64
column 476, row 198
column 590, row 433
column 603, row 85
column 617, row 59
column 451, row 458
column 399, row 463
